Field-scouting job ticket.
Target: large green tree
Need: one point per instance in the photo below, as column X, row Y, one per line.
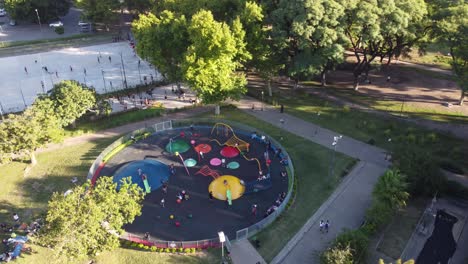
column 308, row 36
column 376, row 28
column 450, row 27
column 163, row 41
column 89, row 220
column 47, row 9
column 21, row 135
column 102, row 11
column 72, row 100
column 213, row 58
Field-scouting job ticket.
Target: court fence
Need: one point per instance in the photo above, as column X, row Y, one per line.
column 244, row 233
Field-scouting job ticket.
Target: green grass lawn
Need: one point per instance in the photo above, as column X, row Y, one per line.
column 368, row 127
column 27, row 194
column 398, row 107
column 314, row 186
column 114, row 120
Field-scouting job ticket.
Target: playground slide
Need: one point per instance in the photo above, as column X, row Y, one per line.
column 229, row 196
column 147, row 186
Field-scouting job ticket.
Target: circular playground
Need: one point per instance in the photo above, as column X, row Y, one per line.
column 200, row 180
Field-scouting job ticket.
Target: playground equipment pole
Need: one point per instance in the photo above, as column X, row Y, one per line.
column 182, row 159
column 332, row 162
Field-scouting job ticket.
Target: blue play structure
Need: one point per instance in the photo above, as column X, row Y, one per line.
column 156, row 172
column 256, row 186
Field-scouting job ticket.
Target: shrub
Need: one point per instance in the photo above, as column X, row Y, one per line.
column 59, row 30
column 146, row 247
column 167, row 250
column 356, row 240
column 337, row 255
column 153, row 249
column 188, row 250
column 173, row 250
column 134, row 244
column 141, row 245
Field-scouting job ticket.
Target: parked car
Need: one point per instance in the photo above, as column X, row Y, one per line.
column 56, row 24
column 2, row 12
column 82, row 23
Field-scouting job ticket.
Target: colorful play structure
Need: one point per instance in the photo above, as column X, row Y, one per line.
column 148, row 174
column 227, row 188
column 233, row 141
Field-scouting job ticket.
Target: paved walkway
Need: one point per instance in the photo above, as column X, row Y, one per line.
column 243, row 252
column 116, row 131
column 347, row 205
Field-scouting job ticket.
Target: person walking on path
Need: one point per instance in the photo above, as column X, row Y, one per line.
column 162, row 203
column 56, row 74
column 26, row 70
column 71, row 69
column 98, row 60
column 321, row 225
column 110, row 59
column 84, row 70
column 282, row 109
column 327, row 226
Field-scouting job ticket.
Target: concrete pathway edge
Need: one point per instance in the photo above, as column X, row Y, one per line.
column 314, row 218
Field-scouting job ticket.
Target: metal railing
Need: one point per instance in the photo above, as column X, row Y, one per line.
column 212, row 242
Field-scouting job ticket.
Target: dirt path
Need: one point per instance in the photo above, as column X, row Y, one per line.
column 117, row 131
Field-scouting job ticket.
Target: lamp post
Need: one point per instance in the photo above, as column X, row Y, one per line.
column 38, row 19
column 332, row 162
column 123, row 68
column 222, row 239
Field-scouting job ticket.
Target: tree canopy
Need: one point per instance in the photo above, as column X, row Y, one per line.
column 451, row 28
column 71, row 100
column 43, row 122
column 381, row 29
column 47, row 9
column 163, row 41
column 89, row 220
column 308, row 36
column 210, row 62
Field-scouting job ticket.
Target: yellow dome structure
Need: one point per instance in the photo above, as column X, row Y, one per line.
column 220, row 186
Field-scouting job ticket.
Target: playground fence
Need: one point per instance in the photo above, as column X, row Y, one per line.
column 206, row 243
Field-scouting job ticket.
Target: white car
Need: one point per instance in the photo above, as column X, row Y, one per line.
column 2, row 12
column 56, row 24
column 82, row 23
